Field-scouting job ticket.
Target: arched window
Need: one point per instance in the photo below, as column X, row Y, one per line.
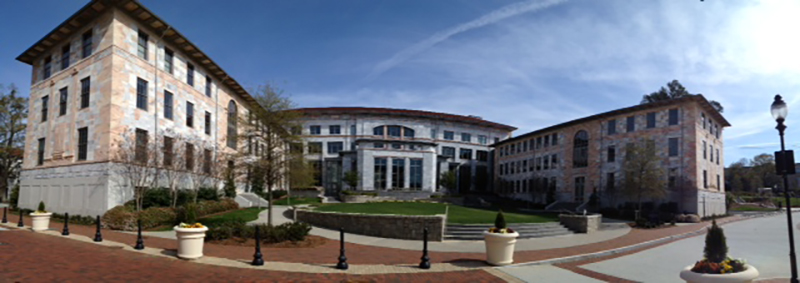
column 580, row 150
column 408, row 132
column 232, row 121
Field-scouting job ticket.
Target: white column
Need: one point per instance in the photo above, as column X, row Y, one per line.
column 406, row 173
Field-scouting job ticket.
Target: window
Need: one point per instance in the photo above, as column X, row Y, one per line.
column 335, row 147
column 398, row 173
column 45, row 102
column 449, row 151
column 415, row 174
column 672, row 179
column 631, row 124
column 704, row 149
column 651, row 120
column 612, row 127
column 65, row 57
column 380, row 173
column 83, row 143
column 612, row 154
column 525, row 147
column 711, row 152
column 168, row 58
column 315, row 130
column 40, row 153
column 315, row 147
column 483, row 139
column 140, row 154
column 538, row 142
column 208, row 123
column 580, row 150
column 207, row 161
column 190, row 74
column 168, row 105
column 546, row 140
column 377, row 131
column 433, row 134
column 62, row 101
column 189, row 157
column 86, row 86
column 610, row 182
column 496, row 140
column 408, row 132
column 703, row 119
column 554, row 161
column 717, row 132
column 719, row 185
column 555, row 139
column 393, row 131
column 465, row 153
column 142, row 46
column 208, row 86
column 705, row 179
column 168, row 153
column 190, row 115
column 466, row 137
column 673, row 116
column 546, row 163
column 233, row 124
column 87, row 44
column 524, row 165
column 378, row 145
column 141, row 94
column 48, row 65
column 397, row 146
column 673, row 146
column 482, row 155
column 628, row 151
column 449, row 135
column 334, row 130
column 580, row 183
column 717, row 156
column 353, row 130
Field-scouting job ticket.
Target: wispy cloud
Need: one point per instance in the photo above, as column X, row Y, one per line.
column 759, row 145
column 490, row 18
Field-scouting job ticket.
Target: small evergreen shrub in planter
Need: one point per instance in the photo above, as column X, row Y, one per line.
column 500, row 242
column 40, row 219
column 717, row 266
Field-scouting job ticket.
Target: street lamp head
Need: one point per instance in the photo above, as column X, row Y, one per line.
column 779, row 109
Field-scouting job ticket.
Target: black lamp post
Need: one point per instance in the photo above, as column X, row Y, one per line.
column 785, row 165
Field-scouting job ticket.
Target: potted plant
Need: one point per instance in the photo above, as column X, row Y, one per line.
column 500, row 242
column 40, row 218
column 190, row 240
column 717, row 266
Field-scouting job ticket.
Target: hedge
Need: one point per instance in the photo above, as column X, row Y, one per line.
column 124, row 217
column 237, row 228
column 162, row 197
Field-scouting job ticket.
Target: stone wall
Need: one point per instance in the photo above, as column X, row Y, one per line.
column 361, row 198
column 581, row 223
column 306, row 193
column 407, row 227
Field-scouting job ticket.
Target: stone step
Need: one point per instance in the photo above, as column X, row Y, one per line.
column 520, row 226
column 521, row 231
column 476, row 237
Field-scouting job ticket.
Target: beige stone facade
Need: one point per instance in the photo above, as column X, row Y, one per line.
column 104, row 44
column 526, row 169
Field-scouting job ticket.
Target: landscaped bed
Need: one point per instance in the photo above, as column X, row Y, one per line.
column 456, row 214
column 295, row 201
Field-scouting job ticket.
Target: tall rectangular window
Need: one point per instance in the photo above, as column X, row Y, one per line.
column 711, row 152
column 169, row 56
column 207, row 161
column 168, row 153
column 45, row 102
column 546, row 140
column 465, row 154
column 538, row 163
column 612, row 154
column 335, row 147
column 398, row 172
column 631, row 124
column 554, row 161
column 168, row 105
column 87, row 44
column 717, row 156
column 433, row 134
column 208, row 86
column 705, row 179
column 483, row 139
column 651, row 120
column 672, row 179
column 189, row 155
column 703, row 119
column 719, row 185
column 449, row 135
column 482, row 155
column 555, row 139
column 189, row 115
column 612, row 127
column 141, row 94
column 466, row 137
column 415, row 174
column 704, row 150
column 63, row 97
column 86, row 86
column 140, row 154
column 142, row 45
column 83, row 143
column 40, row 153
column 449, row 151
column 610, row 182
column 673, row 146
column 380, row 173
column 334, row 130
column 315, row 147
column 538, row 142
column 48, row 67
column 673, row 116
column 580, row 183
column 65, row 57
column 315, row 130
column 208, row 123
column 352, row 130
column 190, row 74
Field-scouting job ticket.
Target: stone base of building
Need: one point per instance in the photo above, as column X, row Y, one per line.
column 77, row 189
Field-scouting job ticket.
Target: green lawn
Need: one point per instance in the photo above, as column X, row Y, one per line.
column 247, row 214
column 795, row 201
column 752, row 208
column 295, row 201
column 457, row 214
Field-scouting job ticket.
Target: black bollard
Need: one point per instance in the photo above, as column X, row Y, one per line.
column 65, row 232
column 342, row 259
column 20, row 224
column 258, row 258
column 5, row 218
column 139, row 240
column 97, row 236
column 426, row 260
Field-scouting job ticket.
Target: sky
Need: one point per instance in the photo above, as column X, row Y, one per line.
column 529, row 64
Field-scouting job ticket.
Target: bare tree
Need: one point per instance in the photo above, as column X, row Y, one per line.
column 644, row 177
column 134, row 158
column 13, row 114
column 173, row 162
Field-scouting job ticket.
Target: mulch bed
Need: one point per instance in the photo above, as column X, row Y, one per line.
column 309, row 242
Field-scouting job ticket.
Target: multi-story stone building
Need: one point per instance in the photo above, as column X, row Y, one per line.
column 572, row 160
column 399, row 149
column 114, row 68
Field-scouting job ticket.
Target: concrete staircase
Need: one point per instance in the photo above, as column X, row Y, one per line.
column 525, row 230
column 250, row 200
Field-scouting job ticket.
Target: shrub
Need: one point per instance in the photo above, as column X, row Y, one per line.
column 14, row 197
column 500, row 220
column 276, row 194
column 124, row 217
column 237, row 228
column 41, row 207
column 230, row 186
column 210, row 207
column 187, row 213
column 359, row 193
column 156, row 216
column 75, row 219
column 226, row 230
column 208, row 193
column 121, row 217
column 716, row 249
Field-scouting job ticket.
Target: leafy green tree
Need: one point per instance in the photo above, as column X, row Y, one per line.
column 643, row 173
column 351, row 179
column 673, row 90
column 764, row 168
column 448, row 181
column 230, row 184
column 13, row 117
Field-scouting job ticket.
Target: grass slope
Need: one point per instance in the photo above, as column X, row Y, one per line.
column 456, row 215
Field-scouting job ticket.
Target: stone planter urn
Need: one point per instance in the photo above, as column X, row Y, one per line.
column 40, row 220
column 500, row 247
column 746, row 276
column 190, row 242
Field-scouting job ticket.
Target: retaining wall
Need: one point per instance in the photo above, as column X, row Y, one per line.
column 581, row 223
column 407, row 227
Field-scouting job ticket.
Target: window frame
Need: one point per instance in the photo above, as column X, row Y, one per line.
column 63, row 99
column 142, row 94
column 86, row 43
column 169, row 105
column 142, row 45
column 83, row 143
column 86, row 88
column 190, row 114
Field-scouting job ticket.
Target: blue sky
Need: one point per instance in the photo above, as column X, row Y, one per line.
column 529, row 64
